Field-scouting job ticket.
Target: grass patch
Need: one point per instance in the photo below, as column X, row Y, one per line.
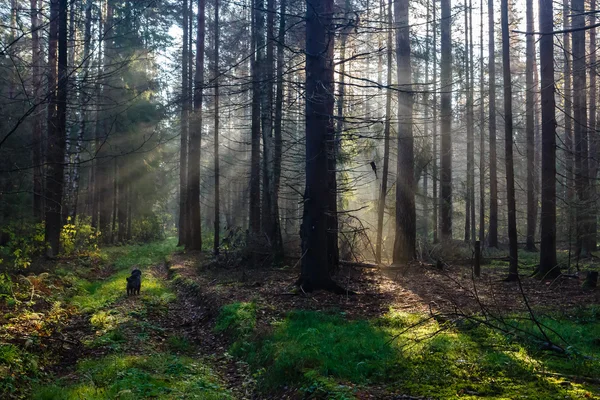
column 325, row 355
column 238, row 320
column 308, row 347
column 138, row 377
column 100, row 294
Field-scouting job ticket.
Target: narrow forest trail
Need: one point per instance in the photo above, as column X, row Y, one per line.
column 138, row 347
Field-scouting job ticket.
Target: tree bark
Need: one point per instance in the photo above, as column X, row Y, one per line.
column 481, row 137
column 183, row 151
column 582, row 184
column 470, row 213
column 386, row 136
column 194, row 240
column 87, row 38
column 508, row 147
column 548, row 266
column 216, row 141
column 446, row 115
column 57, row 123
column 255, row 216
column 530, row 132
column 593, row 140
column 405, row 242
column 278, row 248
column 493, row 230
column 434, row 178
column 319, row 127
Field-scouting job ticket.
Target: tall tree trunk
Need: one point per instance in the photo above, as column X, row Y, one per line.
column 386, row 136
column 57, row 122
column 508, row 147
column 267, row 120
column 278, row 240
column 319, row 129
column 426, row 106
column 593, row 140
column 530, row 132
column 38, row 136
column 446, row 114
column 568, row 105
column 96, row 179
column 481, row 135
column 471, row 118
column 548, row 267
column 436, row 200
column 493, row 230
column 103, row 131
column 194, row 240
column 183, row 151
column 405, row 243
column 216, row 141
column 581, row 134
column 87, row 38
column 469, row 214
column 257, row 44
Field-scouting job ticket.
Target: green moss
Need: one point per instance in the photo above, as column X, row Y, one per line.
column 237, row 320
column 308, row 343
column 319, row 351
column 138, row 377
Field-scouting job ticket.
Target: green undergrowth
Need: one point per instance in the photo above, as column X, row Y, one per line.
column 131, row 353
column 325, row 355
column 163, row 376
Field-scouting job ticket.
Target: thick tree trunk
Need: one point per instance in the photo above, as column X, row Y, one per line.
column 582, row 184
column 278, row 240
column 493, row 230
column 257, row 51
column 548, row 266
column 446, row 114
column 194, row 240
column 266, row 74
column 319, row 129
column 386, row 137
column 530, row 132
column 508, row 147
column 405, row 242
column 216, row 141
column 593, row 140
column 185, row 112
column 57, row 123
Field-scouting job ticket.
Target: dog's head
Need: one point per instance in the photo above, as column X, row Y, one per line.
column 136, row 272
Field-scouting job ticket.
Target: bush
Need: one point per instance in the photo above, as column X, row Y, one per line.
column 79, row 237
column 147, row 229
column 25, row 243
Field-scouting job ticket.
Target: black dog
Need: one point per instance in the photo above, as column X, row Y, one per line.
column 134, row 282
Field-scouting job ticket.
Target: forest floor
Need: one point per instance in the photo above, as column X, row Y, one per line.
column 207, row 330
